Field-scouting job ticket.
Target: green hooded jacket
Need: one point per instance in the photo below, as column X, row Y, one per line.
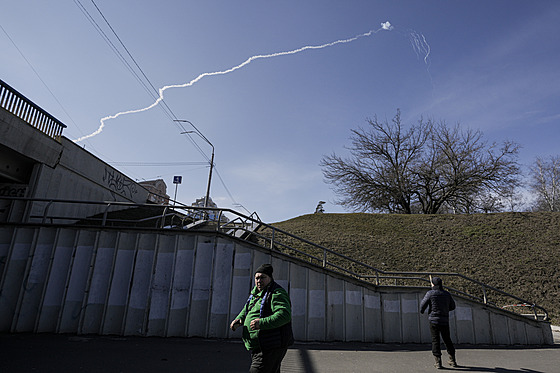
column 281, row 314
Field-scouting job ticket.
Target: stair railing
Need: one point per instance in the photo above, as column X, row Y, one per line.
column 231, row 222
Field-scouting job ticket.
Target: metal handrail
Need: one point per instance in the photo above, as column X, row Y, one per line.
column 379, row 275
column 105, row 207
column 273, row 242
column 25, row 109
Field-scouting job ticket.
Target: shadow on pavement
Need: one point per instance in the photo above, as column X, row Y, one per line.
column 57, row 353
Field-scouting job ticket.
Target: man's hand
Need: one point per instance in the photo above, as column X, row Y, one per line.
column 255, row 324
column 235, row 324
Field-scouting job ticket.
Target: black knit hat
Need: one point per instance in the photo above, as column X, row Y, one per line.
column 436, row 281
column 266, row 269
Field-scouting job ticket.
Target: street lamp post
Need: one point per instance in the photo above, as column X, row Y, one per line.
column 211, row 158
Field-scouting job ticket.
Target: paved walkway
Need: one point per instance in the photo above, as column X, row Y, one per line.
column 50, row 353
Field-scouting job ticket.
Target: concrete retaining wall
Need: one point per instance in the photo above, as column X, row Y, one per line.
column 56, row 170
column 92, row 281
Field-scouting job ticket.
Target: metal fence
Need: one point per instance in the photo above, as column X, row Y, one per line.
column 25, row 109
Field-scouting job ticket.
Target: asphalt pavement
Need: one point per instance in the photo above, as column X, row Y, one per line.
column 56, row 353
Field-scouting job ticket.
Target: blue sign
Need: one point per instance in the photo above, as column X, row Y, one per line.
column 177, row 179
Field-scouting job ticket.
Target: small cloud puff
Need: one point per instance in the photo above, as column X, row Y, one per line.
column 386, row 26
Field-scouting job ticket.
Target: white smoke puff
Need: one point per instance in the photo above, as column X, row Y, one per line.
column 386, row 26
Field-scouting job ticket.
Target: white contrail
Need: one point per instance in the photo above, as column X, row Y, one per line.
column 384, row 26
column 420, row 46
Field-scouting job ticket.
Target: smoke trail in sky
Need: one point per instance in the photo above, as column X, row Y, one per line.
column 420, row 46
column 384, row 26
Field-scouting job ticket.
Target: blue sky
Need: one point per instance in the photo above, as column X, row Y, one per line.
column 492, row 65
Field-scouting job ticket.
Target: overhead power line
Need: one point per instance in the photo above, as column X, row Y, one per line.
column 158, row 164
column 140, row 76
column 143, row 79
column 43, row 82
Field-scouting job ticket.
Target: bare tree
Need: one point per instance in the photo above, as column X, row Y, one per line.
column 545, row 183
column 378, row 176
column 429, row 167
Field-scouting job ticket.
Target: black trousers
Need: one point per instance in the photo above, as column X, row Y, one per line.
column 436, row 330
column 267, row 362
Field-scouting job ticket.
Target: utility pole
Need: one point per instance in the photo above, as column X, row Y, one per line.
column 211, row 158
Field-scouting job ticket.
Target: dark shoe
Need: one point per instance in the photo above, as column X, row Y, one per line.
column 437, row 364
column 452, row 361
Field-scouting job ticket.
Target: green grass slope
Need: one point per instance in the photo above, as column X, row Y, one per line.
column 518, row 253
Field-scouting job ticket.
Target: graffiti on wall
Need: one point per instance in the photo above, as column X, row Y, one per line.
column 13, row 190
column 119, row 183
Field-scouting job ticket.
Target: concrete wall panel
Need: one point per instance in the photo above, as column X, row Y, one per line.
column 119, row 284
column 464, row 324
column 204, row 258
column 6, row 239
column 298, row 296
column 79, row 275
column 499, row 329
column 453, row 325
column 481, row 323
column 221, row 290
column 13, row 278
column 335, row 309
column 56, row 283
column 373, row 327
column 241, row 285
column 281, row 272
column 410, row 318
column 425, row 335
column 137, row 307
column 517, row 332
column 546, row 332
column 160, row 289
column 181, row 290
column 354, row 317
column 316, row 313
column 258, row 259
column 36, row 279
column 534, row 335
column 100, row 281
column 392, row 328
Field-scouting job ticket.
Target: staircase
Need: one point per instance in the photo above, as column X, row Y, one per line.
column 192, row 281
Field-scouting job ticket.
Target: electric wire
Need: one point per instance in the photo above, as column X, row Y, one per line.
column 44, row 84
column 158, row 164
column 167, row 109
column 113, row 47
column 129, row 67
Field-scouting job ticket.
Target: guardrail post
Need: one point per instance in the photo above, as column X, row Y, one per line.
column 219, row 221
column 535, row 312
column 163, row 217
column 272, row 239
column 104, row 221
column 324, row 258
column 45, row 212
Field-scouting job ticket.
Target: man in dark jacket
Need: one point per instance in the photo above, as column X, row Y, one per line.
column 267, row 323
column 439, row 302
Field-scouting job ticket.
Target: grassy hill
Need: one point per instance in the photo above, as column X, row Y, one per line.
column 516, row 252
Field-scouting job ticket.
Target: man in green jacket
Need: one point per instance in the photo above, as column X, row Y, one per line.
column 267, row 323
